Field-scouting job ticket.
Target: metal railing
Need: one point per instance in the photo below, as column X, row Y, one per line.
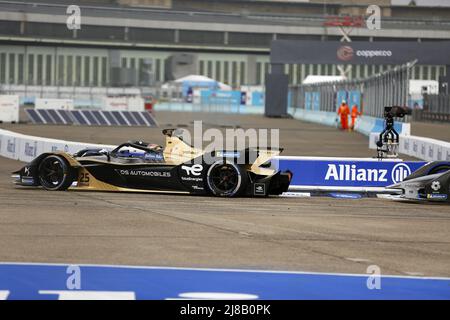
column 436, row 107
column 388, row 88
column 436, row 103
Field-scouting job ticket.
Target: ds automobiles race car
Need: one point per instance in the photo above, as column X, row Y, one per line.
column 430, row 182
column 177, row 168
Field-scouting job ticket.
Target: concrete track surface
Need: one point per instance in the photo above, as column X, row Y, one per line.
column 302, row 234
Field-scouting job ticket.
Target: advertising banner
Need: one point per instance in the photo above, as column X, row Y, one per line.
column 346, row 172
column 54, row 104
column 123, row 104
column 359, row 52
column 221, row 97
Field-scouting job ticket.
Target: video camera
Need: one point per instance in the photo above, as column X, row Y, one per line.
column 396, row 112
column 389, row 137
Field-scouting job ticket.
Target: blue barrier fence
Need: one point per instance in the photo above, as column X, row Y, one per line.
column 357, row 174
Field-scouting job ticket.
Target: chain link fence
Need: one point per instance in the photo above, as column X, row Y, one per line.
column 370, row 94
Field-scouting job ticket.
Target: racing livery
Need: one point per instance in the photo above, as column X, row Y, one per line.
column 431, row 182
column 176, row 168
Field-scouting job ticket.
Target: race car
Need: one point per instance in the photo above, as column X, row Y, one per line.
column 176, row 168
column 431, row 182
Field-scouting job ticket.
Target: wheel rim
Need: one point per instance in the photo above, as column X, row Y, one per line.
column 224, row 178
column 51, row 172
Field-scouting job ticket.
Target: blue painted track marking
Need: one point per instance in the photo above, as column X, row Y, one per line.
column 25, row 281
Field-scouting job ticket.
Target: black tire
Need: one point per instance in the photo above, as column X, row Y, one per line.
column 55, row 174
column 226, row 179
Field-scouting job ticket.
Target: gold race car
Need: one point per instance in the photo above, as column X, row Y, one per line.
column 176, row 168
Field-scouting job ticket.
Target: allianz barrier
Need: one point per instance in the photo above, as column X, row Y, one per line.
column 351, row 174
column 309, row 173
column 420, row 147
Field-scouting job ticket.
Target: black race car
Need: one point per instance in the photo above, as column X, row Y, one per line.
column 431, row 182
column 140, row 167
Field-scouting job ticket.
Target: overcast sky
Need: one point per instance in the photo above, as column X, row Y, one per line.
column 428, row 3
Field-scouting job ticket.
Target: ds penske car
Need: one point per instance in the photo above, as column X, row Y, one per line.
column 177, row 168
column 431, row 182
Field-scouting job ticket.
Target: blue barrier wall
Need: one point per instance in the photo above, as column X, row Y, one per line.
column 345, row 172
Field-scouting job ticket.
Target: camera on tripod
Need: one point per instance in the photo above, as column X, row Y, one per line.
column 388, row 141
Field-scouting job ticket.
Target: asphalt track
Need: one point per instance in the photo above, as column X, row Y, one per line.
column 299, row 234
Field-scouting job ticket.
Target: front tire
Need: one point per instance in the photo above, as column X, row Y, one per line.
column 226, row 179
column 55, row 173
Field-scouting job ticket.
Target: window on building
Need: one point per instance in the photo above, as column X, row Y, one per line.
column 12, row 68
column 60, row 80
column 226, row 71
column 242, row 73
column 2, row 68
column 202, row 67
column 234, row 71
column 425, row 73
column 258, row 73
column 87, row 70
column 78, row 69
column 69, row 71
column 96, row 71
column 20, row 68
column 210, row 71
column 433, row 72
column 48, row 70
column 299, row 73
column 30, row 79
column 266, row 69
column 104, row 72
column 158, row 70
column 40, row 69
column 218, row 71
column 291, row 73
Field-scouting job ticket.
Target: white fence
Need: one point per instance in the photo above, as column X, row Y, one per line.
column 25, row 148
column 420, row 147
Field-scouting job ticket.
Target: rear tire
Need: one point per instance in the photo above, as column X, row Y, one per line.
column 55, row 174
column 226, row 179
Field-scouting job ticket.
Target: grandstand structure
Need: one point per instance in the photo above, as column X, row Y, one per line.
column 227, row 40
